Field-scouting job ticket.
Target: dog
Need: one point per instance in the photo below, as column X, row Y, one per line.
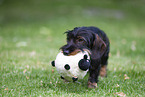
column 96, row 42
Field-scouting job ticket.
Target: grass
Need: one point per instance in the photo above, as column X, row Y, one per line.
column 31, row 33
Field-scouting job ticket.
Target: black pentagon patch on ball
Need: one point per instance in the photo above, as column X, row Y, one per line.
column 74, row 79
column 85, row 57
column 53, row 63
column 61, row 77
column 84, row 64
column 67, row 67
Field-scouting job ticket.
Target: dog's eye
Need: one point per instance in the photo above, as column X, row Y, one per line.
column 80, row 40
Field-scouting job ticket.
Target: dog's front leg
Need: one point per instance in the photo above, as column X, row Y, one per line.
column 94, row 73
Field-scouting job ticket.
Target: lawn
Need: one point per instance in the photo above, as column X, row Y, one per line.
column 31, row 33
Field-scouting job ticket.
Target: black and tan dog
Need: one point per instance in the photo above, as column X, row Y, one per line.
column 93, row 40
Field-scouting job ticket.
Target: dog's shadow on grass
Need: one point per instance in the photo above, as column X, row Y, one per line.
column 70, row 87
column 60, row 86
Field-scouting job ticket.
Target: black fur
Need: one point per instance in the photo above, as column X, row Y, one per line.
column 95, row 41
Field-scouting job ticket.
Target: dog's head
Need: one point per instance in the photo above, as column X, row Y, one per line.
column 80, row 39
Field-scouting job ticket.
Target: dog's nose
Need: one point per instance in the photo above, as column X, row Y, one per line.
column 74, row 79
column 66, row 52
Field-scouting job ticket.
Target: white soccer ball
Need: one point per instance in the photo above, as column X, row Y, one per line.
column 73, row 67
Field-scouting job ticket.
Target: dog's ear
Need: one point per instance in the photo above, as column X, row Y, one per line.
column 99, row 45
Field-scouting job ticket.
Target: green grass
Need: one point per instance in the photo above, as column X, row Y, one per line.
column 31, row 33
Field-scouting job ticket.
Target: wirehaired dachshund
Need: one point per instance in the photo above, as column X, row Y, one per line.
column 96, row 42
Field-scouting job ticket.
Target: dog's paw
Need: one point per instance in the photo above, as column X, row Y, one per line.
column 92, row 85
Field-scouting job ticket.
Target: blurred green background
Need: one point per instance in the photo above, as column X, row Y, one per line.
column 31, row 33
column 50, row 18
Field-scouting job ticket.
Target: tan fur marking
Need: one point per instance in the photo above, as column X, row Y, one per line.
column 103, row 71
column 75, row 52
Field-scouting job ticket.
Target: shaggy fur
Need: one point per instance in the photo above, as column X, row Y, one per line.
column 93, row 40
